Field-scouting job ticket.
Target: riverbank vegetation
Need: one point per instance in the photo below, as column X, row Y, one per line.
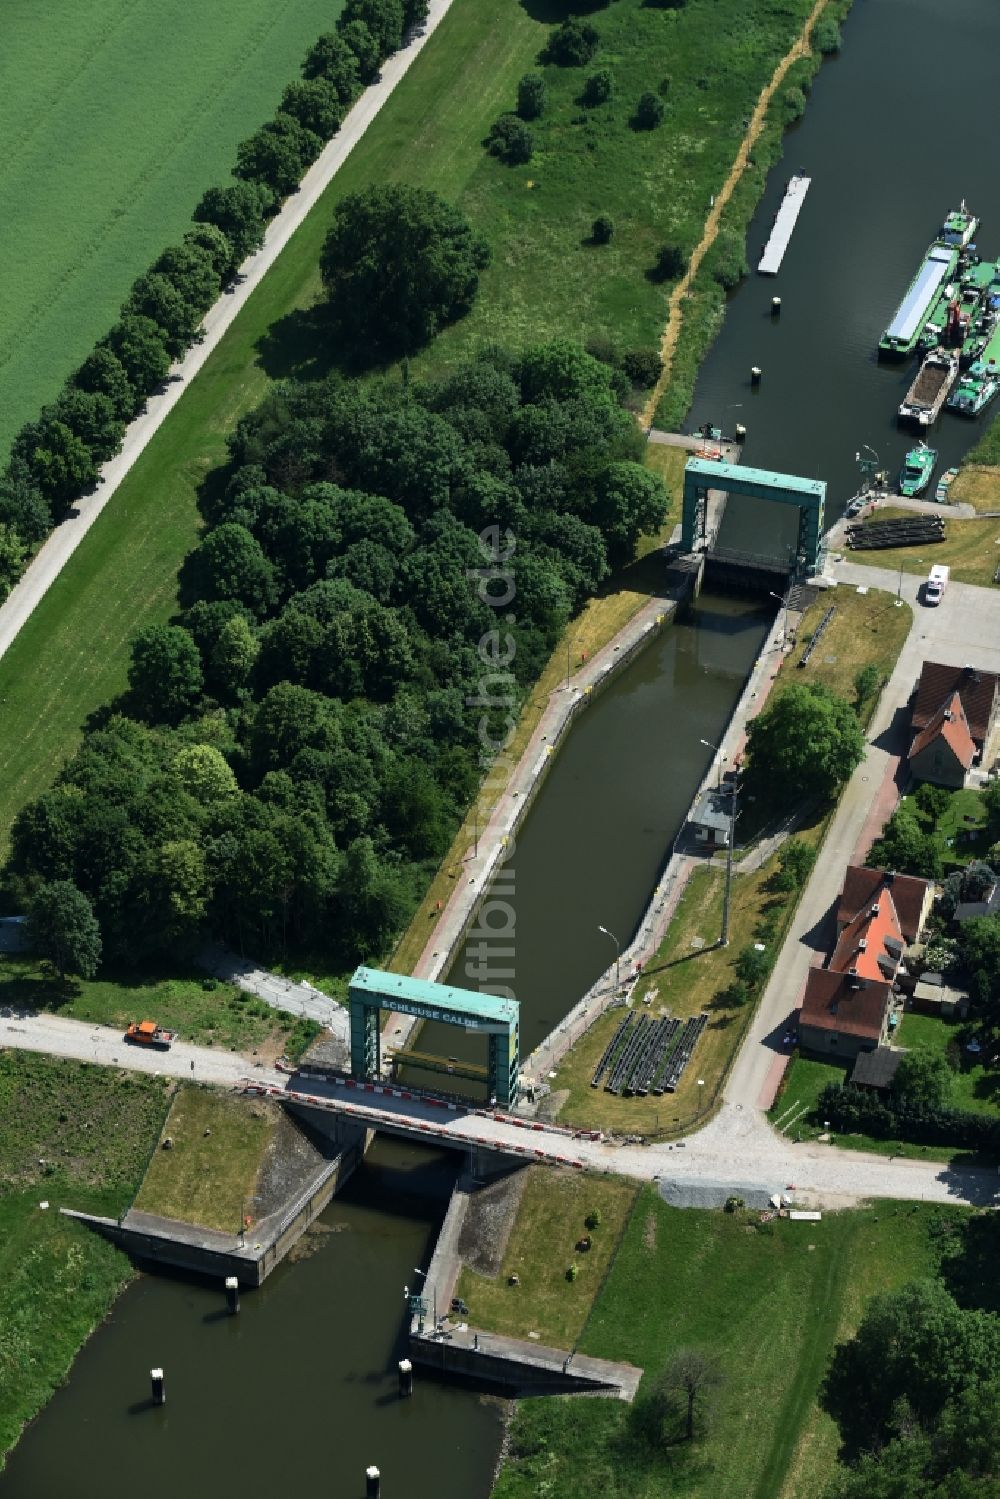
column 700, row 312
column 70, row 1135
column 766, row 1302
column 556, row 1280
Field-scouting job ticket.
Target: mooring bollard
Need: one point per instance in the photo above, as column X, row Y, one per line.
column 405, row 1377
column 373, row 1483
column 232, row 1294
column 158, row 1387
column 775, row 306
column 755, row 375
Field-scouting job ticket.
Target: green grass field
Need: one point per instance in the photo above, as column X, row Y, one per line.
column 72, row 655
column 115, row 117
column 209, row 1175
column 770, row 1301
column 202, row 1010
column 69, row 1135
column 551, row 1220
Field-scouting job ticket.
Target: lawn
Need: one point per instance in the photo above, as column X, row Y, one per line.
column 72, row 655
column 769, row 1301
column 971, row 549
column 549, row 1223
column 115, row 117
column 209, row 1174
column 75, row 1135
column 865, row 630
column 961, row 832
column 974, row 1086
column 201, row 1009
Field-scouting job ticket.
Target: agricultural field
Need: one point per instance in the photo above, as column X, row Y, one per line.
column 115, row 119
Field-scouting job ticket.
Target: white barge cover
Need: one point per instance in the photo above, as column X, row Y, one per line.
column 784, row 223
column 914, row 305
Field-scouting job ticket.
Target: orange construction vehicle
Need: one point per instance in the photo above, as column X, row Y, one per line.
column 148, row 1033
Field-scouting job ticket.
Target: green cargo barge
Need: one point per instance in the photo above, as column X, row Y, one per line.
column 937, row 268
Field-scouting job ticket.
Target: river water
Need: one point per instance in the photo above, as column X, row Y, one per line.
column 889, row 154
column 300, row 1388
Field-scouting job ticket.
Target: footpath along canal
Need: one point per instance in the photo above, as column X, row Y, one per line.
column 301, row 1387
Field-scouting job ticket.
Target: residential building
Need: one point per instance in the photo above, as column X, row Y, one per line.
column 847, row 1006
column 955, row 722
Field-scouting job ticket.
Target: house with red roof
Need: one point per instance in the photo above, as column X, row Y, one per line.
column 955, row 722
column 847, row 1005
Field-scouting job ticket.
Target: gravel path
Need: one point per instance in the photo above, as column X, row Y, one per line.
column 66, row 537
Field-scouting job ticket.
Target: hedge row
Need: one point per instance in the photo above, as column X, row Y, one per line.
column 55, row 459
column 856, row 1110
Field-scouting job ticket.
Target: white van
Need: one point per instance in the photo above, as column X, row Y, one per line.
column 936, row 584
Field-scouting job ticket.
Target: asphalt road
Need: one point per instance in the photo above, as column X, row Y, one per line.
column 64, row 540
column 737, row 1149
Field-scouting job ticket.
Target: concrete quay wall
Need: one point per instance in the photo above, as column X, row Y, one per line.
column 163, row 1241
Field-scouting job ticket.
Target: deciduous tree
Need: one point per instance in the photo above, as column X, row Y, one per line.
column 63, row 929
column 399, row 263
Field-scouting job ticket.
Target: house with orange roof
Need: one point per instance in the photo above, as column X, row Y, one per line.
column 955, row 722
column 847, row 1006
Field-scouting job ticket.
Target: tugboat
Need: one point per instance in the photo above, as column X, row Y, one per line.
column 918, row 466
column 976, row 388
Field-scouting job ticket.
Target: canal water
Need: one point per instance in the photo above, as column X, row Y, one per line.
column 889, row 153
column 593, row 845
column 300, row 1389
column 298, row 1394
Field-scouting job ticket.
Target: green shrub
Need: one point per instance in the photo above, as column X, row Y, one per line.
column 727, row 260
column 671, row 263
column 510, row 140
column 648, row 112
column 643, row 367
column 599, row 87
column 531, row 96
column 593, row 1219
column 572, row 44
column 826, row 36
column 603, row 230
column 792, row 104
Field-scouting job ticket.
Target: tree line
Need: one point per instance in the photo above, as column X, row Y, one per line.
column 297, row 747
column 55, row 459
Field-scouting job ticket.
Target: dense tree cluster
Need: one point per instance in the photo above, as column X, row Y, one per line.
column 916, row 1395
column 385, row 571
column 56, row 458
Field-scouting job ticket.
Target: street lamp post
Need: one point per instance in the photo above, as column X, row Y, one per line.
column 727, row 896
column 618, row 956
